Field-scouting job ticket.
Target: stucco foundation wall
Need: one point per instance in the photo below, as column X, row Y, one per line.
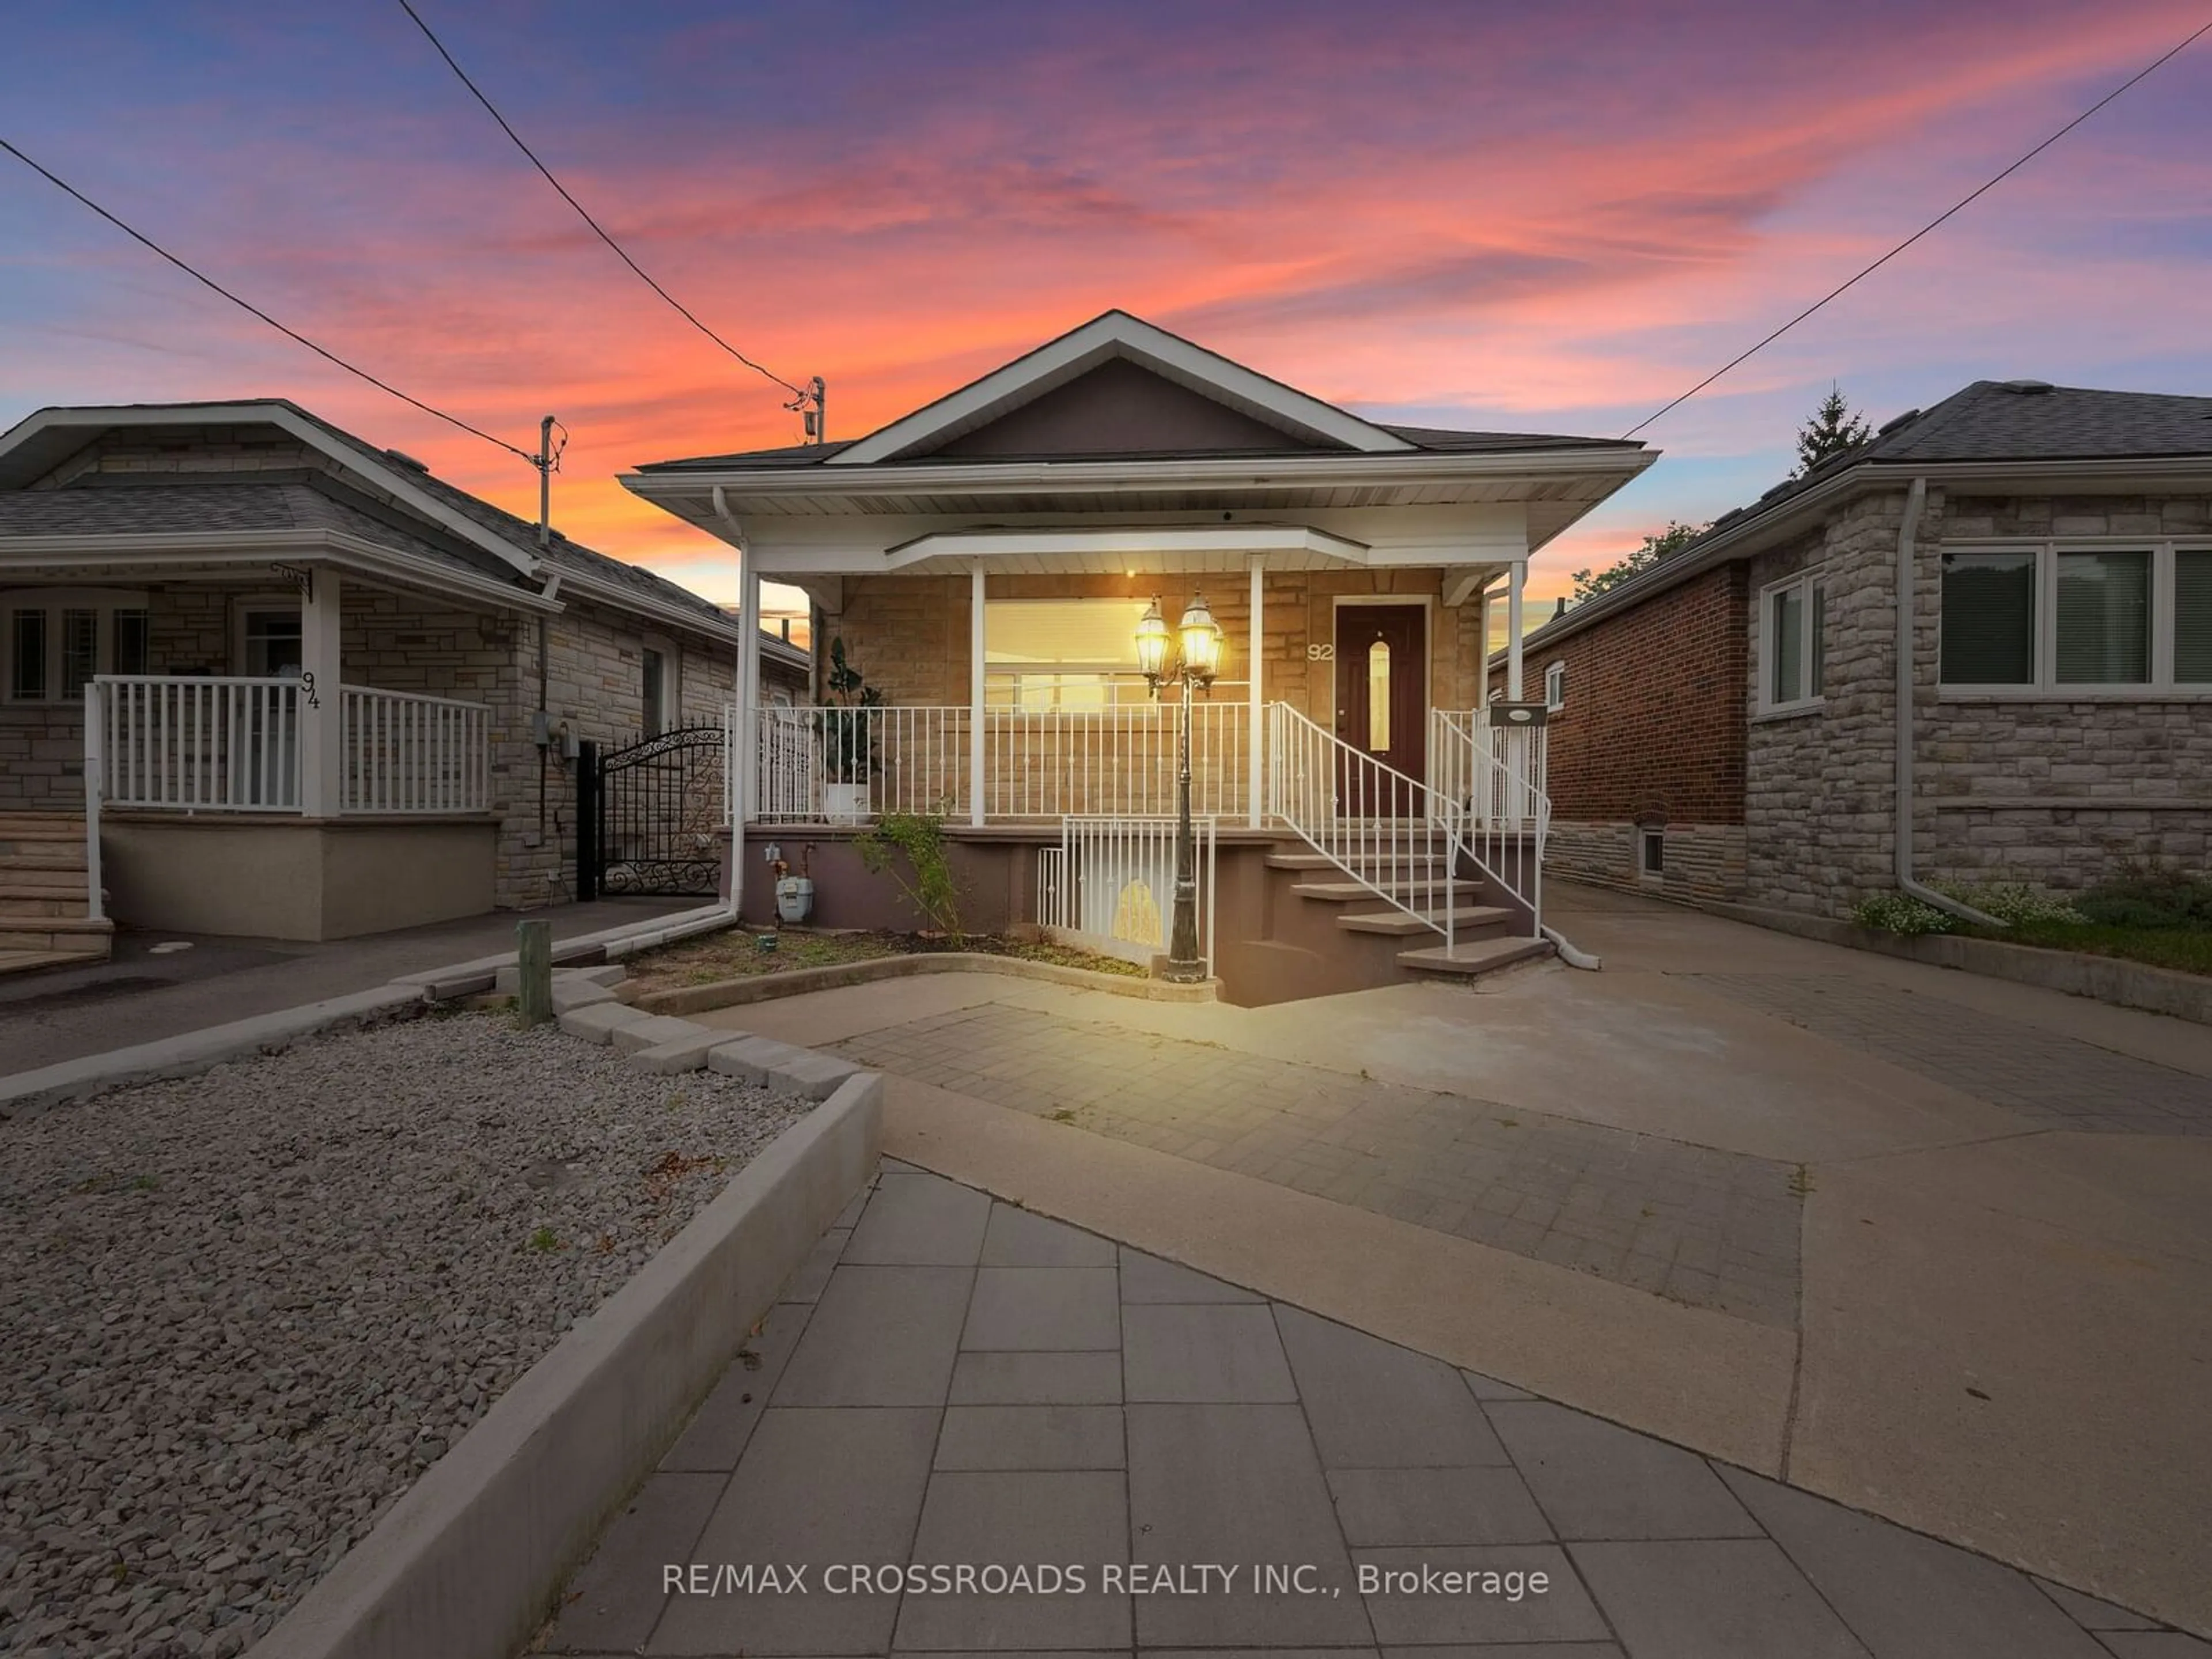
column 293, row 879
column 1702, row 861
column 2057, row 793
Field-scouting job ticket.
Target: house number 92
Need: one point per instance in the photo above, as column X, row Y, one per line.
column 1321, row 653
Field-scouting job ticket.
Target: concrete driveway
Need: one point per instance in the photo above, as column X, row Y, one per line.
column 144, row 994
column 1937, row 1247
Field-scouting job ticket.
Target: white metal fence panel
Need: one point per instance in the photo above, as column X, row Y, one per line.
column 1051, row 763
column 1494, row 776
column 1111, row 882
column 817, row 763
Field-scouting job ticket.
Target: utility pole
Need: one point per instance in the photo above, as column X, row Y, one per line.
column 812, row 405
column 544, row 462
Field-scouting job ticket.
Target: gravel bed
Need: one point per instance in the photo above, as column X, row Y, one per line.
column 241, row 1312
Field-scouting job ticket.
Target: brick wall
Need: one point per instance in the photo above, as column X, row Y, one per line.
column 1651, row 735
column 908, row 635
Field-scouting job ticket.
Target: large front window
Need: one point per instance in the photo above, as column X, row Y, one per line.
column 2058, row 621
column 1061, row 653
column 55, row 640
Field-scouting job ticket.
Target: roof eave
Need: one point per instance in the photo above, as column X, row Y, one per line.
column 1756, row 531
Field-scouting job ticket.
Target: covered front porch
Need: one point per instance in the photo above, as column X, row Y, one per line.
column 279, row 748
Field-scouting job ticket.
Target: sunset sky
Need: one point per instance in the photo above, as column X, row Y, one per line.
column 1552, row 219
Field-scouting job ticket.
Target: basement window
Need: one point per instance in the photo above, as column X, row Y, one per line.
column 1654, row 852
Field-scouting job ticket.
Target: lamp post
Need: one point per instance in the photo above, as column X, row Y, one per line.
column 1195, row 664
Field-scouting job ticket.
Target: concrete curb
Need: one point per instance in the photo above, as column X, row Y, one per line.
column 2105, row 978
column 29, row 1093
column 765, row 987
column 609, row 944
column 467, row 1563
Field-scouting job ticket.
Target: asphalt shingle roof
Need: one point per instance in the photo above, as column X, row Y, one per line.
column 1441, row 439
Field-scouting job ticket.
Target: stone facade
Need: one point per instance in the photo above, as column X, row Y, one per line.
column 2056, row 793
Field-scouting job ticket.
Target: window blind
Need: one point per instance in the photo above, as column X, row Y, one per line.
column 1989, row 618
column 2193, row 617
column 2104, row 618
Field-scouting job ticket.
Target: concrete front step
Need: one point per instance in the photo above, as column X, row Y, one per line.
column 1415, row 857
column 61, row 852
column 1468, row 921
column 1348, row 891
column 1471, row 958
column 40, row 903
column 17, row 879
column 22, row 962
column 56, row 934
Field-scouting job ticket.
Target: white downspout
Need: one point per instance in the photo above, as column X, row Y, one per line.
column 1914, row 499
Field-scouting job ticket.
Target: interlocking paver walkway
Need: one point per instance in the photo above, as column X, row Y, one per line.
column 1195, row 1424
column 1709, row 1228
column 2057, row 1082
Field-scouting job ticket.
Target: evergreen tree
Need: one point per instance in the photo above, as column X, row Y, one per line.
column 1832, row 430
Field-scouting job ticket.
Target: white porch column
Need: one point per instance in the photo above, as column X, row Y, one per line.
column 975, row 694
column 322, row 706
column 1257, row 727
column 1514, row 580
column 744, row 746
column 1482, row 633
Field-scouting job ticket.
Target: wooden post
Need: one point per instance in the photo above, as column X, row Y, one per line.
column 533, row 956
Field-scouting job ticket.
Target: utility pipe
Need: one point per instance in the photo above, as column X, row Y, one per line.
column 1915, row 499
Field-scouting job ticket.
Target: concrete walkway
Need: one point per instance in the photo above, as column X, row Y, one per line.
column 1175, row 1463
column 140, row 997
column 1938, row 1247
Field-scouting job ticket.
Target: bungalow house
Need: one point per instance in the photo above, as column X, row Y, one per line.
column 1758, row 718
column 983, row 564
column 308, row 690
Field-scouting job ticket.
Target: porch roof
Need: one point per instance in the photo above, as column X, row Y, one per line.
column 1110, row 549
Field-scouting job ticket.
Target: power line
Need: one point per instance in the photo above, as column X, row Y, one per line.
column 64, row 185
column 596, row 229
column 1962, row 203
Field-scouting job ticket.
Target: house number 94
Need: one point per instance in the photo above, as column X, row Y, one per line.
column 1321, row 653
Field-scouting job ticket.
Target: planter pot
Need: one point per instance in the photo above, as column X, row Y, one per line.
column 844, row 803
column 795, row 897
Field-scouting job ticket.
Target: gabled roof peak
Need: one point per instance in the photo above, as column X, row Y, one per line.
column 1118, row 334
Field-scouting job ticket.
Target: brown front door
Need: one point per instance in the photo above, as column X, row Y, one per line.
column 1382, row 702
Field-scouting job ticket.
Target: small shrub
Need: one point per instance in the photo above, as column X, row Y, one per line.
column 919, row 837
column 544, row 1240
column 1895, row 913
column 2146, row 897
column 2014, row 904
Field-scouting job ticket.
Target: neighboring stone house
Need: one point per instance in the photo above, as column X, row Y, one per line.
column 337, row 694
column 1726, row 723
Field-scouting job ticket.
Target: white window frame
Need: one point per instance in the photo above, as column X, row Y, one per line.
column 53, row 601
column 1555, row 686
column 1649, row 836
column 1815, row 696
column 672, row 682
column 2046, row 686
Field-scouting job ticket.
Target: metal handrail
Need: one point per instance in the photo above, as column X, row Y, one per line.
column 1502, row 816
column 1335, row 797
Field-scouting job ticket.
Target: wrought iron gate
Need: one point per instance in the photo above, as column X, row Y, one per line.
column 650, row 814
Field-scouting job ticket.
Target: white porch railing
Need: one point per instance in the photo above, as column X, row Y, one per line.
column 1492, row 776
column 1458, row 738
column 1040, row 763
column 906, row 758
column 406, row 753
column 1118, row 762
column 202, row 745
column 1367, row 818
column 1111, row 882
